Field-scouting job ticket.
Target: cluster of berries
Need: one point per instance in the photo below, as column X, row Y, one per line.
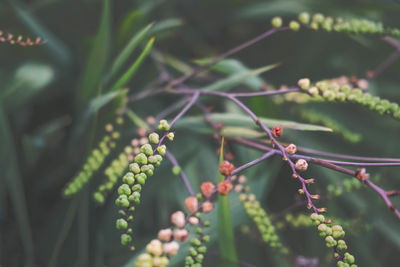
column 95, row 159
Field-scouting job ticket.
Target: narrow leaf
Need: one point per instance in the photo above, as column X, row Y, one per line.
column 124, row 79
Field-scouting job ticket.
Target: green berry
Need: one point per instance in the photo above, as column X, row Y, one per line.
column 121, row 224
column 134, row 167
column 276, row 22
column 141, row 178
column 125, row 239
column 154, row 138
column 146, row 149
column 294, row 26
column 124, row 190
column 129, row 178
column 163, row 126
column 162, row 150
column 141, row 159
column 348, row 258
column 176, row 170
column 304, row 17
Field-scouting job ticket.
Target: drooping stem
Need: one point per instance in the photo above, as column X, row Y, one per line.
column 182, row 174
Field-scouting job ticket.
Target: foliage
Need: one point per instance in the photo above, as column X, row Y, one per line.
column 86, row 84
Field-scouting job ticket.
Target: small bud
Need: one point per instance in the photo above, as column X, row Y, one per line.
column 109, row 128
column 193, row 220
column 162, row 150
column 322, row 210
column 294, row 26
column 207, row 188
column 242, row 179
column 163, row 125
column 238, row 188
column 121, row 224
column 207, row 207
column 304, row 83
column 125, row 239
column 155, row 247
column 170, row 136
column 309, row 181
column 291, row 149
column 301, row 165
column 313, row 91
column 224, row 187
column 226, row 168
column 171, row 248
column 141, row 159
column 301, row 191
column 181, row 234
column 277, row 131
column 191, row 204
column 316, row 197
column 176, row 170
column 276, row 22
column 154, row 138
column 178, row 219
column 165, row 234
column 146, row 149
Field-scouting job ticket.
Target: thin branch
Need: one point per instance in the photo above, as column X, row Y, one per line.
column 185, row 180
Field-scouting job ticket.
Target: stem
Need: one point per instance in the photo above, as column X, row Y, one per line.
column 185, row 180
column 225, row 55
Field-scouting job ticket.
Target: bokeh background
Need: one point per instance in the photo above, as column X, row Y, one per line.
column 47, row 126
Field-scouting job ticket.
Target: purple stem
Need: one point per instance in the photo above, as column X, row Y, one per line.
column 185, row 180
column 249, row 164
column 229, row 95
column 225, row 55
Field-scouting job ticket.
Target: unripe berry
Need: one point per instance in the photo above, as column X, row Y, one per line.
column 163, row 125
column 121, row 224
column 141, row 159
column 304, row 17
column 124, row 190
column 170, row 136
column 193, row 220
column 176, row 170
column 125, row 239
column 348, row 258
column 129, row 178
column 162, row 150
column 304, row 83
column 276, row 22
column 294, row 26
column 146, row 149
column 154, row 138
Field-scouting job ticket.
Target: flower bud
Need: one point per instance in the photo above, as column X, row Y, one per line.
column 124, row 190
column 207, row 188
column 224, row 187
column 242, row 179
column 171, row 248
column 191, row 204
column 154, row 138
column 193, row 220
column 301, row 165
column 304, row 83
column 178, row 219
column 155, row 247
column 141, row 159
column 125, row 239
column 170, row 136
column 121, row 224
column 313, row 91
column 163, row 125
column 277, row 131
column 181, row 234
column 207, row 207
column 162, row 150
column 304, row 17
column 165, row 234
column 226, row 168
column 291, row 149
column 176, row 170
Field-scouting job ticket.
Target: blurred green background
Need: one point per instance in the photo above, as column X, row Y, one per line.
column 48, row 127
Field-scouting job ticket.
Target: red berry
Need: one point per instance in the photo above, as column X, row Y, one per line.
column 226, row 168
column 277, row 131
column 207, row 188
column 224, row 187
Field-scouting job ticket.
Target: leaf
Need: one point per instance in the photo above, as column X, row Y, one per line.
column 226, row 238
column 127, row 52
column 136, row 119
column 239, row 120
column 239, row 78
column 98, row 57
column 28, row 80
column 10, row 171
column 232, row 66
column 124, row 79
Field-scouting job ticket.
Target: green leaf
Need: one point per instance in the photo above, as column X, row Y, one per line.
column 124, row 79
column 226, row 238
column 127, row 52
column 136, row 119
column 10, row 171
column 239, row 120
column 233, row 66
column 98, row 57
column 238, row 78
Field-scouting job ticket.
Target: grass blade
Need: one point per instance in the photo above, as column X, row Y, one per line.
column 226, row 239
column 124, row 79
